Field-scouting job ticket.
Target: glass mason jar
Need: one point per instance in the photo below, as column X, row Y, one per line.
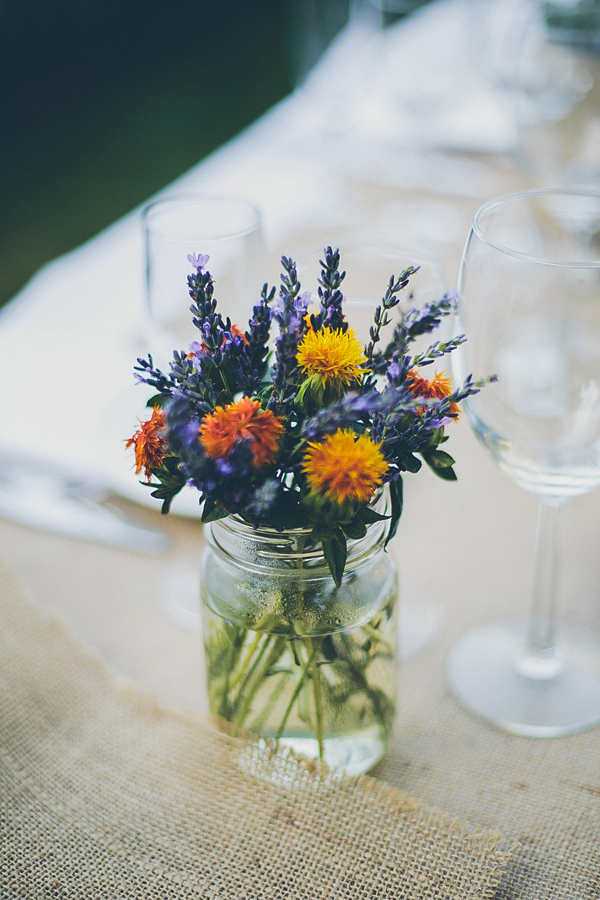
column 291, row 656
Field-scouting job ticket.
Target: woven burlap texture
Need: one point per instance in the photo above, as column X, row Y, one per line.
column 104, row 794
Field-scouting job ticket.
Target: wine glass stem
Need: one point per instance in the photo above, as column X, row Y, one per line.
column 541, row 637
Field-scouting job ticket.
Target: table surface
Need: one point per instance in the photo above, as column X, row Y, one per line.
column 464, row 550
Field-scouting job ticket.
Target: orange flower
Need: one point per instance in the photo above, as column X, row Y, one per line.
column 220, row 431
column 438, row 388
column 237, row 332
column 345, row 466
column 149, row 443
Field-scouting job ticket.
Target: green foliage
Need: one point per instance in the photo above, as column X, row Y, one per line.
column 440, row 463
column 170, row 482
column 335, row 549
column 211, row 512
column 397, row 498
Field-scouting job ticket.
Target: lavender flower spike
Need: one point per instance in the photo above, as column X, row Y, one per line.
column 199, row 262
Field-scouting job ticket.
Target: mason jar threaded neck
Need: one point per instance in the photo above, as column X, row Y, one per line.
column 268, row 550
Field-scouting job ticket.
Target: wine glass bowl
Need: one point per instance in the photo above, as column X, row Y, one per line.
column 529, row 303
column 529, row 292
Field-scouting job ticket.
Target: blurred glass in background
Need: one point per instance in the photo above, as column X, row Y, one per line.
column 575, row 22
column 313, row 24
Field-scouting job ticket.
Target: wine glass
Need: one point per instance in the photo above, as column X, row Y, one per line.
column 529, row 303
column 229, row 231
column 368, row 269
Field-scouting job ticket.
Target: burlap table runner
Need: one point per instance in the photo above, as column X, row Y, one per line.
column 104, row 794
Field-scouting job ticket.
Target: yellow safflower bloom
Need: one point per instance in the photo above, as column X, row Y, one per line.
column 332, row 355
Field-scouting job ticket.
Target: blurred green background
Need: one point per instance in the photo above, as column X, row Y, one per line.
column 104, row 102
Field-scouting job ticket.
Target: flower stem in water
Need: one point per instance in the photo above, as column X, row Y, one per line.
column 294, row 696
column 317, row 693
column 250, row 684
column 250, row 653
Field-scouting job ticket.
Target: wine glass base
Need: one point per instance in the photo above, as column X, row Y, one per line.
column 418, row 623
column 485, row 671
column 179, row 595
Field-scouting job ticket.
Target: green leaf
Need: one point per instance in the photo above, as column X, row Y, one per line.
column 397, row 498
column 264, row 395
column 369, row 516
column 335, row 551
column 436, row 437
column 211, row 512
column 157, row 400
column 321, row 533
column 447, row 474
column 411, row 463
column 355, row 529
column 437, row 459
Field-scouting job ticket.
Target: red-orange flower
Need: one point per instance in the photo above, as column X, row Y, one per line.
column 438, row 388
column 220, row 431
column 149, row 443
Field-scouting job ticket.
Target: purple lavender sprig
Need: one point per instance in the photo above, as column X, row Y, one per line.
column 213, row 329
column 415, row 323
column 164, row 384
column 436, row 350
column 252, row 361
column 289, row 312
column 389, row 300
column 346, row 412
column 467, row 389
column 185, row 379
column 412, row 425
column 330, row 296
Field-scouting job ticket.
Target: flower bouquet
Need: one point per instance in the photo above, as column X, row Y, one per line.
column 297, row 445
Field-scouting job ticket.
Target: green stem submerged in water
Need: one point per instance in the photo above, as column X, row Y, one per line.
column 319, row 686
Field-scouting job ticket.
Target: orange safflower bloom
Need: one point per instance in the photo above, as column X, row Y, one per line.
column 220, row 431
column 438, row 388
column 237, row 332
column 149, row 443
column 345, row 466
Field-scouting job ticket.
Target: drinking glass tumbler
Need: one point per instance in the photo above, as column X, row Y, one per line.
column 229, row 231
